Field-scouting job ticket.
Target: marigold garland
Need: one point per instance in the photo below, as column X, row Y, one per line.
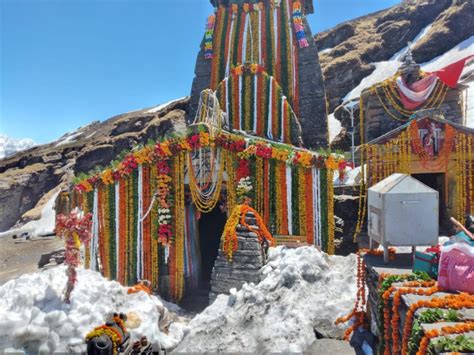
column 229, row 236
column 359, row 310
column 455, row 329
column 449, row 301
column 112, row 333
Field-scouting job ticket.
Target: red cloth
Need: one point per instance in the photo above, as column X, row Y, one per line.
column 419, row 91
column 451, row 73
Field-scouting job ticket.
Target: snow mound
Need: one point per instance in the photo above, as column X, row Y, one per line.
column 10, row 146
column 301, row 290
column 34, row 319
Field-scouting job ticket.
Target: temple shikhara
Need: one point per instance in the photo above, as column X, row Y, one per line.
column 200, row 210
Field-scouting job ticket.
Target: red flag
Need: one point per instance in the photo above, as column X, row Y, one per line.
column 450, row 74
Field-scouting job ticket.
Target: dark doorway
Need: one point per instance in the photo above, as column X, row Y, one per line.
column 211, row 226
column 436, row 181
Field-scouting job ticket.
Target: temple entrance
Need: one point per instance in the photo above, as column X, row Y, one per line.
column 437, row 181
column 211, row 226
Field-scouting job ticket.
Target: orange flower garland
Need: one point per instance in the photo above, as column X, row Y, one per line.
column 451, row 301
column 358, row 311
column 412, row 287
column 455, row 329
column 229, row 236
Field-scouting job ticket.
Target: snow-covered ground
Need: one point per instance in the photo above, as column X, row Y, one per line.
column 33, row 317
column 302, row 290
column 10, row 146
column 43, row 226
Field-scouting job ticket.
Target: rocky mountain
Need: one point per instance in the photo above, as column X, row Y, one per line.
column 347, row 52
column 29, row 175
column 10, row 146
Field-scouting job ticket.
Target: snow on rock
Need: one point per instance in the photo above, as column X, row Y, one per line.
column 10, row 146
column 68, row 138
column 162, row 106
column 301, row 290
column 43, row 226
column 33, row 317
column 462, row 50
column 334, row 127
column 385, row 69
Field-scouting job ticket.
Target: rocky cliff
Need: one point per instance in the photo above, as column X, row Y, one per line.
column 28, row 175
column 347, row 53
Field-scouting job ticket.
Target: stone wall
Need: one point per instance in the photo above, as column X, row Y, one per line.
column 245, row 266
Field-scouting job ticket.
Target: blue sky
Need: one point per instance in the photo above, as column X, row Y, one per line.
column 65, row 63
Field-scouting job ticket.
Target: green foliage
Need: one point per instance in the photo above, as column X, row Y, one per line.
column 385, row 285
column 461, row 343
column 429, row 316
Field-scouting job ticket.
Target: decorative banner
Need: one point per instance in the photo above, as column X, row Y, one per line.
column 208, row 36
column 299, row 25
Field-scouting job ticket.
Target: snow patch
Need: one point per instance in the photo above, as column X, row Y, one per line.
column 334, row 127
column 43, row 226
column 458, row 52
column 162, row 106
column 301, row 290
column 325, row 50
column 386, row 69
column 68, row 138
column 10, row 146
column 33, row 317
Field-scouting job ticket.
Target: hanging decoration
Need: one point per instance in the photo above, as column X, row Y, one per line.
column 75, row 229
column 237, row 216
column 255, row 102
column 400, row 102
column 208, row 36
column 299, row 25
column 255, row 33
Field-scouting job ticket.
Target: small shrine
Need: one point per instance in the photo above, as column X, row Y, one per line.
column 389, row 104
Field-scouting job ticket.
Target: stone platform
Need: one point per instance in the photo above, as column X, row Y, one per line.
column 401, row 265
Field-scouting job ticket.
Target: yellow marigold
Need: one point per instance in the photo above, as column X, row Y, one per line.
column 331, row 163
column 305, row 159
column 204, row 139
column 107, row 177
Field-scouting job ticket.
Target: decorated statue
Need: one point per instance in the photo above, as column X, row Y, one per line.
column 75, row 229
column 110, row 338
